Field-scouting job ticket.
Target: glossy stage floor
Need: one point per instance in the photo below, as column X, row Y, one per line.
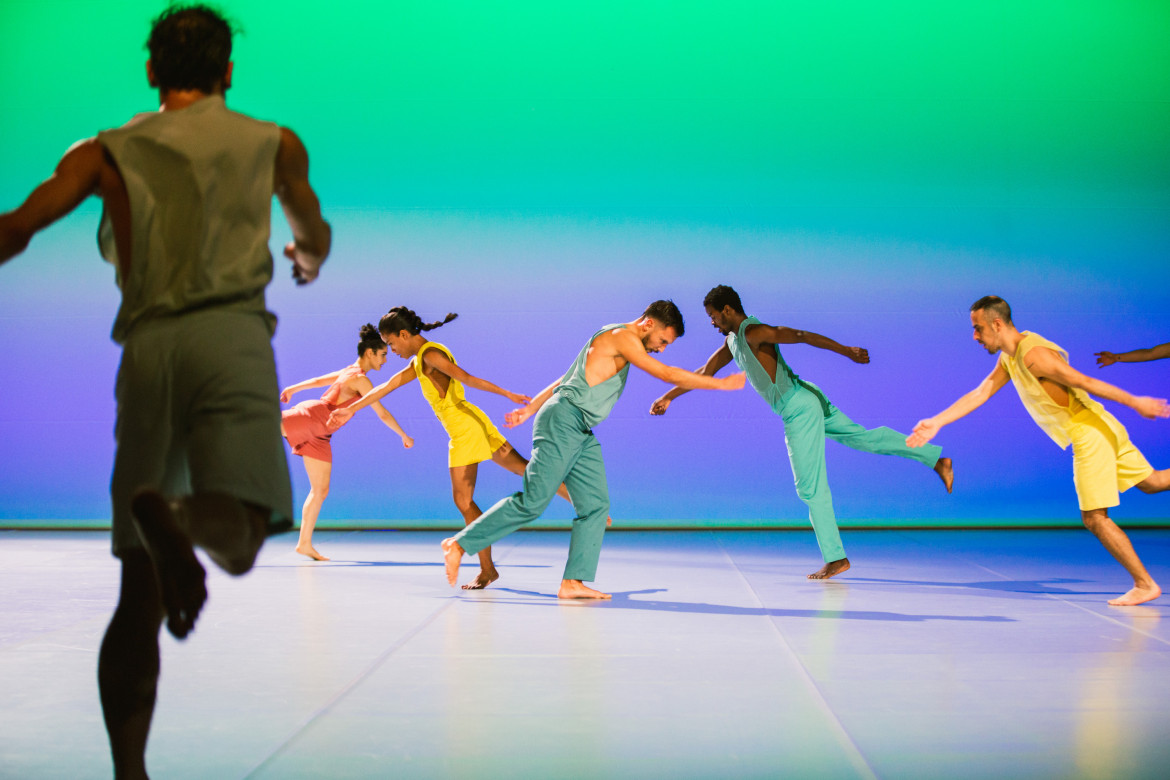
column 940, row 654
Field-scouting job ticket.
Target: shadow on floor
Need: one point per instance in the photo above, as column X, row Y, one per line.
column 624, row 601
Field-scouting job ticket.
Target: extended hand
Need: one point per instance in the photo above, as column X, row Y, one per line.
column 858, row 354
column 660, row 406
column 407, row 442
column 339, row 417
column 304, row 269
column 924, row 431
column 518, row 398
column 1151, row 408
column 517, row 416
column 1105, row 359
column 286, row 395
column 735, row 381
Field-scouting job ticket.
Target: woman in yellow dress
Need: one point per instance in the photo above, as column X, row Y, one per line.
column 474, row 438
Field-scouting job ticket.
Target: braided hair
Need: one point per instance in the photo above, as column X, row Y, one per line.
column 401, row 318
column 369, row 339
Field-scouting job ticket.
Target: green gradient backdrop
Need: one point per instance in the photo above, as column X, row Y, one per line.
column 860, row 169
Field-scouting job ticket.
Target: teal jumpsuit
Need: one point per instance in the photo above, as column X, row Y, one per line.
column 808, row 418
column 563, row 450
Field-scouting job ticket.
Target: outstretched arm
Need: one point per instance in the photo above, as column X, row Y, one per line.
column 364, row 386
column 771, row 334
column 1046, row 364
column 321, row 381
column 341, row 416
column 630, row 348
column 714, row 363
column 926, row 429
column 312, row 236
column 1134, row 356
column 76, row 177
column 518, row 416
column 440, row 362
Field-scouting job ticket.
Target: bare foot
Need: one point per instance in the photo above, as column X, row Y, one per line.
column 830, row 569
column 575, row 589
column 486, row 577
column 311, row 552
column 946, row 472
column 181, row 577
column 452, row 557
column 1137, row 596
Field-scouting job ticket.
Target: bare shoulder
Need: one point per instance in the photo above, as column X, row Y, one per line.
column 615, row 341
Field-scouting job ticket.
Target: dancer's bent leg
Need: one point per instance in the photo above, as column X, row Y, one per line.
column 463, row 491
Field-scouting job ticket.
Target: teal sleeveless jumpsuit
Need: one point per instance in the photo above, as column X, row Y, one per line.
column 808, row 418
column 563, row 450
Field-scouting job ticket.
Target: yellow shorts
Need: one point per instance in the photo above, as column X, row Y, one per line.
column 473, row 437
column 1104, row 466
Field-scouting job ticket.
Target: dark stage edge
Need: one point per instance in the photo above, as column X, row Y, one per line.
column 974, row 653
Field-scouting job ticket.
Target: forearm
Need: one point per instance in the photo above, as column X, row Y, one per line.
column 1142, row 355
column 1104, row 390
column 15, row 236
column 484, row 385
column 684, row 380
column 962, row 407
column 387, row 418
column 824, row 342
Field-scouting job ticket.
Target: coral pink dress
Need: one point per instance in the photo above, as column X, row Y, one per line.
column 306, row 425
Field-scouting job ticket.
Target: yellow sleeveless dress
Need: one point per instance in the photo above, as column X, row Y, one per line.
column 473, row 436
column 1105, row 462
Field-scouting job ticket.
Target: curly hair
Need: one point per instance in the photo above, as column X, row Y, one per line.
column 190, row 48
column 369, row 339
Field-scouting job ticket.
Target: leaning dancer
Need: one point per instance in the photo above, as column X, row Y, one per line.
column 473, row 437
column 564, row 449
column 187, row 195
column 808, row 416
column 1105, row 463
column 307, row 429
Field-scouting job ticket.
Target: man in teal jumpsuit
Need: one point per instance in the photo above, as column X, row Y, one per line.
column 808, row 416
column 565, row 450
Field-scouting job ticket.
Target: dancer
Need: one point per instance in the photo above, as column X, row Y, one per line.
column 808, row 415
column 473, row 438
column 1105, row 463
column 306, row 426
column 1159, row 352
column 187, row 196
column 564, row 449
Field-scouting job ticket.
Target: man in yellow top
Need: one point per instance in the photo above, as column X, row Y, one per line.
column 1105, row 463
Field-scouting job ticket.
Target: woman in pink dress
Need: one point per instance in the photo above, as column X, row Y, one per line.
column 307, row 429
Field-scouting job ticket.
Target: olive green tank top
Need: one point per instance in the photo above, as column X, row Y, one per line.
column 200, row 184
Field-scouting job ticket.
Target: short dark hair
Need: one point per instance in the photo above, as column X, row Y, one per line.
column 722, row 296
column 190, row 48
column 996, row 306
column 666, row 314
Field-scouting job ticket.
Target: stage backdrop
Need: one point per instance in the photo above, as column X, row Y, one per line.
column 862, row 170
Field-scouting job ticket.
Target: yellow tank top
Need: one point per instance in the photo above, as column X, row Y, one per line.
column 1052, row 418
column 430, row 392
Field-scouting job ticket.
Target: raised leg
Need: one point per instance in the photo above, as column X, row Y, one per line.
column 1118, row 544
column 319, row 472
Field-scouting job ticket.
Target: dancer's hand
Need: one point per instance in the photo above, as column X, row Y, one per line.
column 518, row 416
column 733, row 382
column 339, row 417
column 924, row 431
column 660, row 406
column 857, row 354
column 1105, row 359
column 407, row 442
column 305, row 267
column 286, row 395
column 519, row 398
column 1151, row 408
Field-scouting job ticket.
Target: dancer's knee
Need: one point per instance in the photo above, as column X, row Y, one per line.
column 1094, row 519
